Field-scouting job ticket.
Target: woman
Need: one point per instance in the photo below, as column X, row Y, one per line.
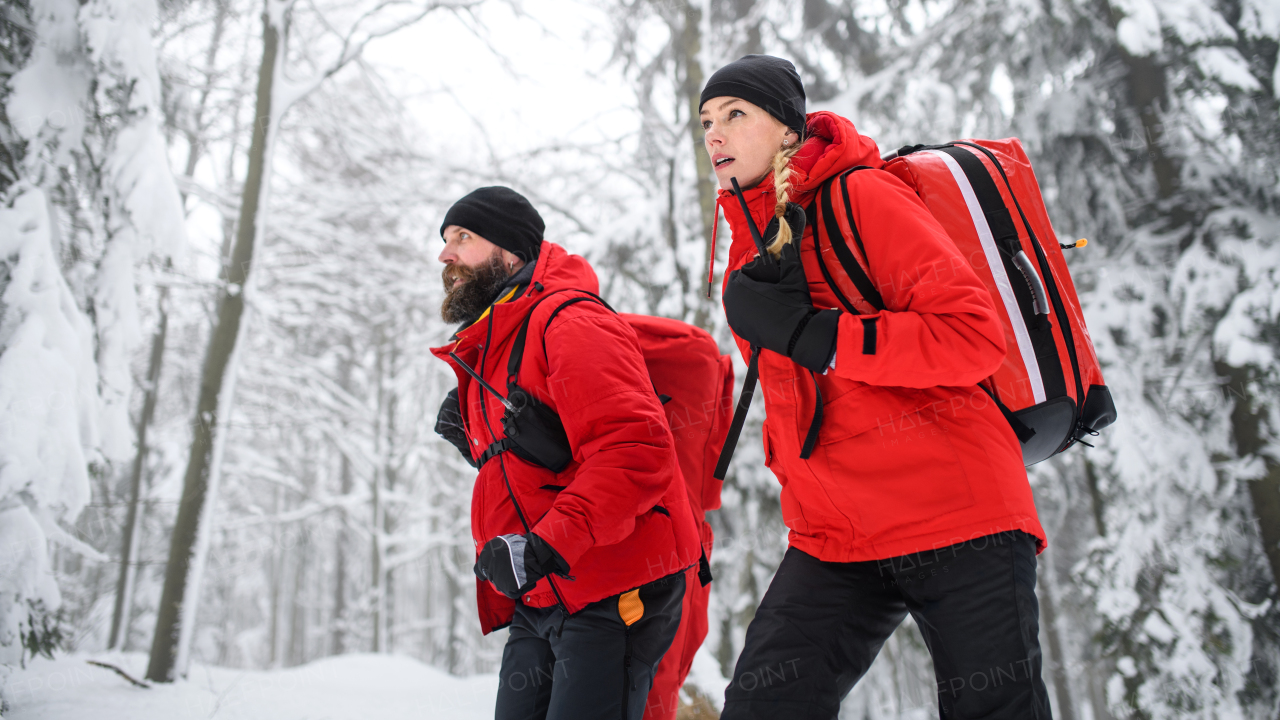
column 910, row 495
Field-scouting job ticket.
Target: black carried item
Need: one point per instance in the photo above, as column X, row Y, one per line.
column 753, row 365
column 797, row 218
column 449, row 426
column 533, row 430
column 761, row 248
column 769, row 305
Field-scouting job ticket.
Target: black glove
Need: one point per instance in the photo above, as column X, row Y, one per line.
column 449, row 425
column 515, row 563
column 768, row 305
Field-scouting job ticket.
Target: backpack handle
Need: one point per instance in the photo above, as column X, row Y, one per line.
column 1039, row 295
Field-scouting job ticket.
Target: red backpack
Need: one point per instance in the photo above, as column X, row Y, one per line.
column 687, row 371
column 695, row 383
column 985, row 196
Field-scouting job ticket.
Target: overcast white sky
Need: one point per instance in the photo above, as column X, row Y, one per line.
column 554, row 86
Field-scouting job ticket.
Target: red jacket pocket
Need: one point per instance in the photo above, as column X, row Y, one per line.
column 865, row 408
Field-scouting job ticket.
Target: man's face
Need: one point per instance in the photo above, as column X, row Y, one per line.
column 473, row 274
column 461, row 246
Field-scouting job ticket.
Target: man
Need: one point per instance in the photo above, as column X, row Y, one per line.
column 586, row 565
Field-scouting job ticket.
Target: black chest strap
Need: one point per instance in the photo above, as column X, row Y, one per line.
column 495, row 450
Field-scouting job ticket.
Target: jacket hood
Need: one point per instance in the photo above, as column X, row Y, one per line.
column 558, row 269
column 833, row 145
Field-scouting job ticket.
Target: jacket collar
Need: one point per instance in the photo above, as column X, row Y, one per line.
column 832, row 146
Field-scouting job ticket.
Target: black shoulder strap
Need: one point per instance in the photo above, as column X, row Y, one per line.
column 834, row 236
column 812, row 214
column 739, row 415
column 753, row 369
column 517, row 349
column 556, row 312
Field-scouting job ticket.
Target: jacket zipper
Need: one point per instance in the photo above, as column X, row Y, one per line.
column 484, row 412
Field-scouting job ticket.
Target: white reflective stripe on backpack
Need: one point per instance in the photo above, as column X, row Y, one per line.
column 996, row 265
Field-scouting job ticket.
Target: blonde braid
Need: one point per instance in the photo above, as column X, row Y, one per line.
column 782, row 186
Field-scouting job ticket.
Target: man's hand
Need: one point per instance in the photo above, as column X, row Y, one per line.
column 449, row 425
column 768, row 305
column 515, row 563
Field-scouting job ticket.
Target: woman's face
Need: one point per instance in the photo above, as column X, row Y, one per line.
column 741, row 139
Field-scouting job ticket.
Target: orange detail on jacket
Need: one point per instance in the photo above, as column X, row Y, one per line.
column 630, row 607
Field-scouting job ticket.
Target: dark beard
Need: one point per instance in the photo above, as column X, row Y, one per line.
column 477, row 290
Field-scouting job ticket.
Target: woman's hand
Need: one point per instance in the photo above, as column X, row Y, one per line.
column 768, row 305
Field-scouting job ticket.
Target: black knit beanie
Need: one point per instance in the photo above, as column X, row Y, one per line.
column 769, row 82
column 502, row 216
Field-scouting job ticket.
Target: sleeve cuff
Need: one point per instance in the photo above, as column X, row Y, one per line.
column 859, row 335
column 567, row 535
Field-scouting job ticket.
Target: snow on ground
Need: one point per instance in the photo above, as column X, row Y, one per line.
column 378, row 687
column 381, row 687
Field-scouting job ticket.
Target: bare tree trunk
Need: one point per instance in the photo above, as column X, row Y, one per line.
column 222, row 344
column 340, row 566
column 296, row 650
column 1095, row 669
column 129, row 547
column 1052, row 633
column 195, row 133
column 389, row 472
column 1147, row 85
column 1265, row 493
column 338, row 623
column 297, row 654
column 376, row 558
column 688, row 48
column 375, row 526
column 670, row 228
column 455, row 592
column 1250, row 436
column 275, row 573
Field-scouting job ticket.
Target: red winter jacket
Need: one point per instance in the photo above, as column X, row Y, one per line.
column 618, row 514
column 912, row 454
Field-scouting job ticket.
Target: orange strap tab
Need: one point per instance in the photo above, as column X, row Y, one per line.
column 630, row 607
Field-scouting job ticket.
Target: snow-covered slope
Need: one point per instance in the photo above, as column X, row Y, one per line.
column 345, row 687
column 384, row 687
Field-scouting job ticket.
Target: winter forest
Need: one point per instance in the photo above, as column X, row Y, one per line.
column 219, row 222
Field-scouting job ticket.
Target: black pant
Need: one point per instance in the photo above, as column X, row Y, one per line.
column 821, row 625
column 590, row 664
